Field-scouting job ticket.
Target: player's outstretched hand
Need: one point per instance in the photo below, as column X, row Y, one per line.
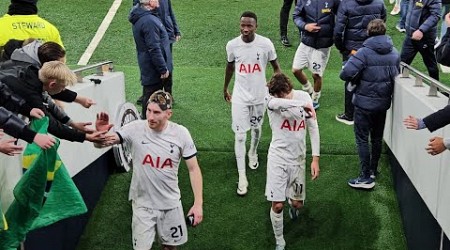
column 44, row 141
column 102, row 122
column 436, row 146
column 197, row 211
column 411, row 122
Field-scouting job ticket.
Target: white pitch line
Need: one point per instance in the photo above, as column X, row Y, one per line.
column 99, row 34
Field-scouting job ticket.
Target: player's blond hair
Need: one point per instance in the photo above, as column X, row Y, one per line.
column 58, row 71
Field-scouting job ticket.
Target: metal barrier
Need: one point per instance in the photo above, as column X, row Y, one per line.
column 100, row 68
column 434, row 84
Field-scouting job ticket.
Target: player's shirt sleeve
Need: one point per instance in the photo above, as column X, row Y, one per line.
column 188, row 149
column 312, row 125
column 288, row 108
column 230, row 52
column 272, row 54
column 125, row 133
column 274, row 103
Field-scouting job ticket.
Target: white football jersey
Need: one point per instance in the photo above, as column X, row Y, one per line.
column 250, row 61
column 156, row 157
column 288, row 123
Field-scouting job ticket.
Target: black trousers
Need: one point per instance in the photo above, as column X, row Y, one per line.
column 426, row 48
column 148, row 90
column 349, row 107
column 284, row 16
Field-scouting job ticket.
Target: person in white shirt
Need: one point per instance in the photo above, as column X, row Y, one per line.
column 290, row 113
column 247, row 57
column 157, row 146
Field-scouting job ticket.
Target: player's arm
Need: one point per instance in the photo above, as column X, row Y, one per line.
column 313, row 130
column 195, row 175
column 275, row 66
column 229, row 70
column 274, row 103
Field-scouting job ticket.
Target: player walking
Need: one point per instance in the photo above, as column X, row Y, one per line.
column 247, row 56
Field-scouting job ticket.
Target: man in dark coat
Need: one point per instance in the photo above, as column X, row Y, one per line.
column 373, row 70
column 153, row 49
column 421, row 31
column 349, row 33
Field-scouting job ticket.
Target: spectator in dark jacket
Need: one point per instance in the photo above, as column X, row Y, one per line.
column 443, row 50
column 153, row 49
column 421, row 31
column 373, row 70
column 54, row 76
column 36, row 53
column 315, row 20
column 167, row 17
column 15, row 127
column 350, row 32
column 432, row 122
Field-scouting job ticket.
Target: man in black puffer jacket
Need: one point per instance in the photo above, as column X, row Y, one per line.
column 373, row 70
column 350, row 32
column 421, row 31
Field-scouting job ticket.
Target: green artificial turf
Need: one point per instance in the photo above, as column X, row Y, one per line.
column 335, row 216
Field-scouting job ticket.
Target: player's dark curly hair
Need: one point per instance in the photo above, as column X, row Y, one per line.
column 279, row 85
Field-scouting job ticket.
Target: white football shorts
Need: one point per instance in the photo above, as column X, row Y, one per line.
column 314, row 59
column 245, row 117
column 285, row 181
column 170, row 224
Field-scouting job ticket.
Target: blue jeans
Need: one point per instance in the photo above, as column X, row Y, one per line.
column 369, row 124
column 404, row 6
column 445, row 10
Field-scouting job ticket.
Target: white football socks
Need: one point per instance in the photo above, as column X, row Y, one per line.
column 308, row 88
column 254, row 141
column 316, row 96
column 277, row 225
column 239, row 151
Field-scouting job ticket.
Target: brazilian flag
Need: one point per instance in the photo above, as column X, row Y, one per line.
column 33, row 207
column 3, row 223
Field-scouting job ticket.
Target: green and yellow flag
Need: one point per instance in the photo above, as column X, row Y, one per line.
column 3, row 223
column 44, row 170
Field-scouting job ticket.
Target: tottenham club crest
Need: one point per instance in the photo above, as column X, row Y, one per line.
column 126, row 113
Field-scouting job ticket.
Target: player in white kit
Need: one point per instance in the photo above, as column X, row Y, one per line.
column 290, row 113
column 247, row 57
column 157, row 146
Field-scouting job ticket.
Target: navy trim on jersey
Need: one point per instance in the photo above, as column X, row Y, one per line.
column 120, row 137
column 189, row 157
